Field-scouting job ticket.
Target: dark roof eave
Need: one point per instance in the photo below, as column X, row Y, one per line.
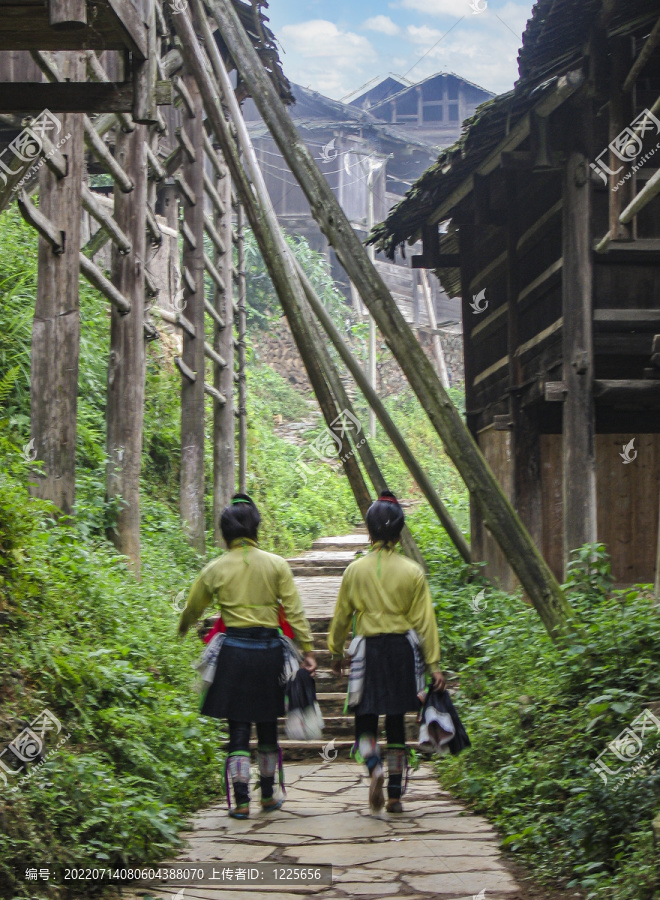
column 387, row 235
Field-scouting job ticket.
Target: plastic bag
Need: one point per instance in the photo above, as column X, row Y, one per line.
column 304, row 721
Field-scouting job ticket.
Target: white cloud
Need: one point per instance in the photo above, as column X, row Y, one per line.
column 332, row 61
column 382, row 24
column 455, row 8
column 487, row 56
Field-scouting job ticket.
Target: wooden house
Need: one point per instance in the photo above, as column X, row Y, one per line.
column 369, row 164
column 551, row 235
column 432, row 110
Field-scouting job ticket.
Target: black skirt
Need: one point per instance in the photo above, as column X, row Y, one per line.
column 390, row 687
column 246, row 687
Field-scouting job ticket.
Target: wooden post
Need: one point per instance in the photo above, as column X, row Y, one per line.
column 525, row 440
column 437, row 345
column 224, row 424
column 277, row 259
column 126, row 363
column 621, row 113
column 499, row 515
column 56, row 324
column 192, row 392
column 242, row 333
column 579, row 426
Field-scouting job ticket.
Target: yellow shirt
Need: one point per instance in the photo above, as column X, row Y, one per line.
column 390, row 595
column 247, row 583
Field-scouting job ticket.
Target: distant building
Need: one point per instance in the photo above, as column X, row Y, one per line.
column 431, row 111
column 370, row 164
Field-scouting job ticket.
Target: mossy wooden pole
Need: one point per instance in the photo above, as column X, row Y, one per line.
column 126, row 361
column 329, row 369
column 499, row 516
column 56, row 323
column 280, row 267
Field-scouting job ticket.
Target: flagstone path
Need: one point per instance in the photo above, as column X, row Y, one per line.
column 435, row 849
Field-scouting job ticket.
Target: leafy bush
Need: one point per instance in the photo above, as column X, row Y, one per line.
column 538, row 717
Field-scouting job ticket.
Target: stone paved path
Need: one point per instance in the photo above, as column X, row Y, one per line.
column 435, row 849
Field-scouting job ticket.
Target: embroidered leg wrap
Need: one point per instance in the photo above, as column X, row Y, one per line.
column 368, row 750
column 237, row 769
column 397, row 764
column 269, row 758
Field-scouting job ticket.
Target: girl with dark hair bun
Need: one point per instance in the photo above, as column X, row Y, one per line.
column 395, row 643
column 251, row 588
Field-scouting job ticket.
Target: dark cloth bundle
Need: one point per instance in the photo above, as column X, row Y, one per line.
column 441, row 728
column 304, row 720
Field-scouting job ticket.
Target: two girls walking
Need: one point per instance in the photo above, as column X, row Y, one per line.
column 384, row 594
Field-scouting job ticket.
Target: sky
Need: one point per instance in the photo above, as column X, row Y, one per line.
column 338, row 46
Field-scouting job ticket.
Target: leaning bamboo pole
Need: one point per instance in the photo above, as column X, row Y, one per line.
column 279, row 263
column 328, row 366
column 498, row 513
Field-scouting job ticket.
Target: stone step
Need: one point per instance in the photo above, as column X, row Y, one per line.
column 319, row 570
column 295, row 750
column 352, row 542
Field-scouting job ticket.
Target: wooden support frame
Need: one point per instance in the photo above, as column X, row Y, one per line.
column 191, row 497
column 224, row 422
column 96, row 208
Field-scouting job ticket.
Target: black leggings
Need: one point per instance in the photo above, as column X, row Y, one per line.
column 239, row 735
column 395, row 728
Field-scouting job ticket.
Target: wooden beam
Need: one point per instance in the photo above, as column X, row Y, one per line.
column 153, row 228
column 67, row 13
column 217, row 318
column 627, row 392
column 500, row 517
column 219, row 398
column 188, row 326
column 189, row 194
column 95, row 208
column 145, row 71
column 54, row 237
column 555, row 391
column 98, row 73
column 98, row 280
column 183, row 94
column 216, row 162
column 102, row 152
column 133, row 26
column 184, row 142
column 126, row 362
column 212, row 232
column 214, row 356
column 185, row 370
column 75, row 97
column 188, row 236
column 215, row 275
column 213, row 194
column 159, row 172
column 579, row 427
column 650, row 190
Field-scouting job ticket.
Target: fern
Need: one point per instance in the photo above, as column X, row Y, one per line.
column 7, row 384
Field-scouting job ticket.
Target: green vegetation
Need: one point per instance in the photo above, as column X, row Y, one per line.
column 84, row 639
column 538, row 718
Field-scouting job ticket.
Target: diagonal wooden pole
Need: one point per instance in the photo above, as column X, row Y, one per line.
column 279, row 263
column 330, row 371
column 498, row 514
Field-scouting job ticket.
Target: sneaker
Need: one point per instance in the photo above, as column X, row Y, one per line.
column 394, row 805
column 240, row 812
column 376, row 797
column 270, row 804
